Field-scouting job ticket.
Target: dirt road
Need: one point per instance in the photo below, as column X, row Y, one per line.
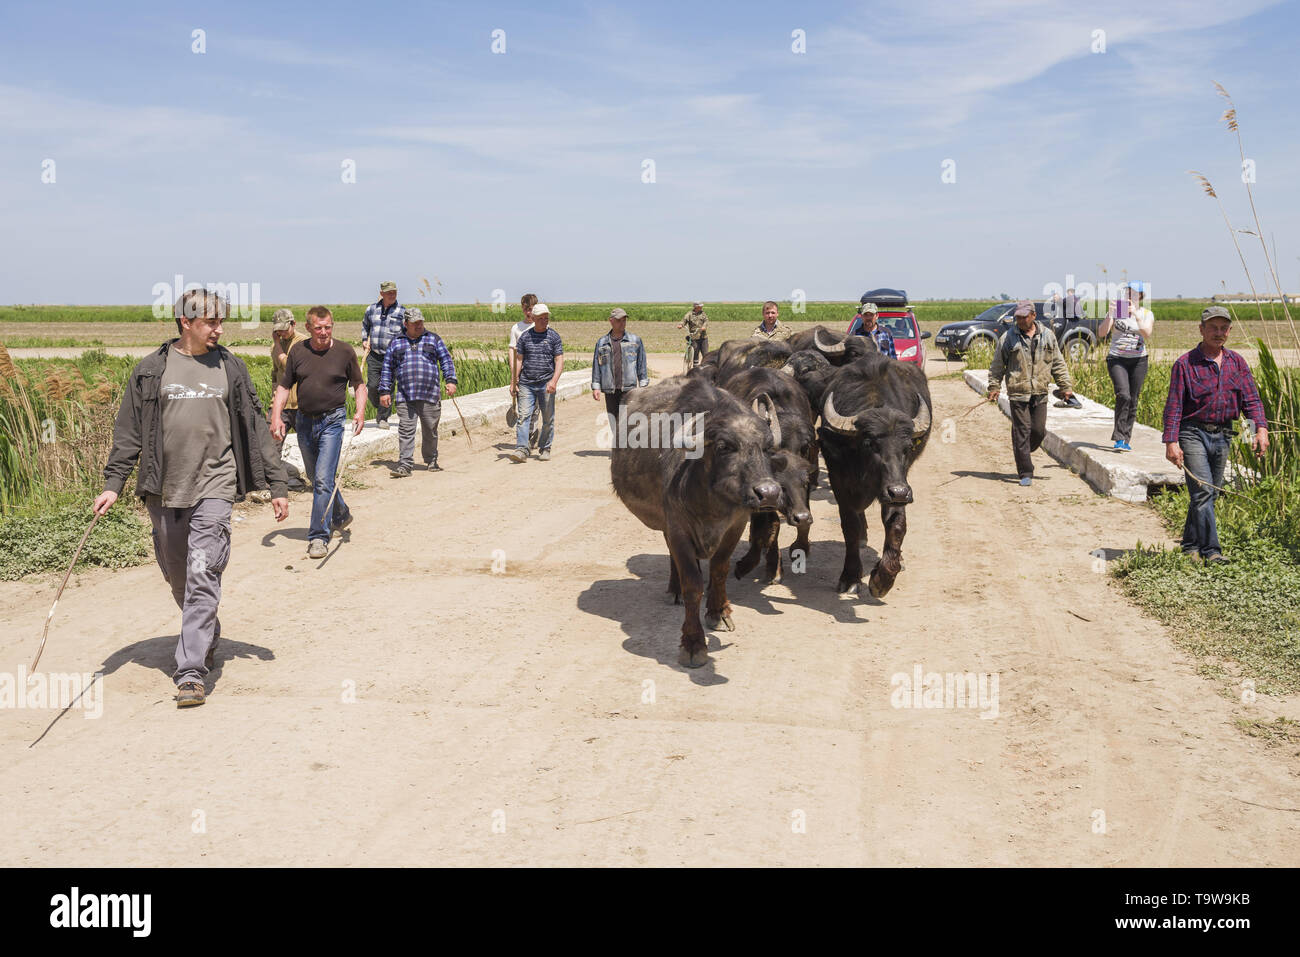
column 404, row 704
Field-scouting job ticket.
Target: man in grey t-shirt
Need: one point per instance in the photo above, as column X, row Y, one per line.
column 198, row 461
column 192, row 421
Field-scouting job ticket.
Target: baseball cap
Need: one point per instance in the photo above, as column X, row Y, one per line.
column 617, row 313
column 694, row 304
column 541, row 309
column 1137, row 285
column 414, row 315
column 1024, row 308
column 388, row 286
column 869, row 308
column 1216, row 312
column 281, row 320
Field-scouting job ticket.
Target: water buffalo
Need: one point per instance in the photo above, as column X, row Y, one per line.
column 794, row 475
column 838, row 348
column 811, row 370
column 796, row 479
column 752, row 353
column 700, row 490
column 875, row 422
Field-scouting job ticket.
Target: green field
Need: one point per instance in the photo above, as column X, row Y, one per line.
column 831, row 313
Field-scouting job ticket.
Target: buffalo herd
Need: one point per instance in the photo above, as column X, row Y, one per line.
column 739, row 447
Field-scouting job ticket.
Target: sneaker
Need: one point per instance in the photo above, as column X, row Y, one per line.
column 544, row 455
column 189, row 694
column 1126, row 447
column 1026, row 480
column 434, row 467
column 401, row 471
column 210, row 660
column 317, row 549
column 261, row 495
column 1119, row 445
column 1215, row 558
column 382, row 424
column 519, row 455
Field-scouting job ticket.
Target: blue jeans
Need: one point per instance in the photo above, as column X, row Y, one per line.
column 320, row 439
column 1205, row 454
column 529, row 396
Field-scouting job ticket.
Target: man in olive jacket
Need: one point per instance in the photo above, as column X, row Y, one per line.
column 1030, row 358
column 192, row 420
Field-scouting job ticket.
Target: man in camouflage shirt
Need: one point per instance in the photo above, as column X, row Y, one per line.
column 697, row 332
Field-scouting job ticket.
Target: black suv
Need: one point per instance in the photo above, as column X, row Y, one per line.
column 1078, row 337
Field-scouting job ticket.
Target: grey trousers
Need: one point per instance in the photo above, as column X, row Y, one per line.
column 428, row 413
column 192, row 546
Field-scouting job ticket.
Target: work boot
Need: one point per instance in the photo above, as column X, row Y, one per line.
column 189, row 694
column 544, row 455
column 401, row 471
column 519, row 455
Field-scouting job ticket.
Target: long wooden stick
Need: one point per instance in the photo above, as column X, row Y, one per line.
column 463, row 424
column 59, row 594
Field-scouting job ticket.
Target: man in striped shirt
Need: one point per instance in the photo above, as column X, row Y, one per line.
column 1209, row 387
column 410, row 372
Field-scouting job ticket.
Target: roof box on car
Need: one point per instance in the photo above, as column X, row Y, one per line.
column 885, row 297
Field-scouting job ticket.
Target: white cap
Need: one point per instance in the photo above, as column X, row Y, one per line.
column 541, row 309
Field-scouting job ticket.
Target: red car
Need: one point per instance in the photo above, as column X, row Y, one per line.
column 896, row 316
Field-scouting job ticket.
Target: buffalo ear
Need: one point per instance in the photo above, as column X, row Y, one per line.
column 765, row 408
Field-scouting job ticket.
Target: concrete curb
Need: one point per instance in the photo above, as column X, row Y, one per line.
column 479, row 409
column 1080, row 439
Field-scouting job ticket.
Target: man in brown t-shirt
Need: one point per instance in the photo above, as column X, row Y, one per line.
column 322, row 368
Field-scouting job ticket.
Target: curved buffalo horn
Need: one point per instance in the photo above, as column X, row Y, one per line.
column 766, row 408
column 788, row 368
column 921, row 422
column 833, row 420
column 833, row 349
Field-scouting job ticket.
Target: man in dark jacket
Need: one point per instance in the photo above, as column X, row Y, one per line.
column 192, row 421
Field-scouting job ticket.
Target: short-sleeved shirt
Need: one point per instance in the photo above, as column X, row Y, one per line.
column 697, row 324
column 1126, row 339
column 279, row 354
column 197, row 458
column 322, row 377
column 523, row 325
column 538, row 351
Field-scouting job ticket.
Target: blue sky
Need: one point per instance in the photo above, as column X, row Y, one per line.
column 522, row 171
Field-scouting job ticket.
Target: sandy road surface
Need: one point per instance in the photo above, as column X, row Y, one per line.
column 546, row 700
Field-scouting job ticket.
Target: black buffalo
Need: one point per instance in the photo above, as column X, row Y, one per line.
column 875, row 422
column 838, row 348
column 700, row 491
column 794, row 473
column 751, row 354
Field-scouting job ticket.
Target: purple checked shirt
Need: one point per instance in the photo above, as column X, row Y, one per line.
column 1200, row 389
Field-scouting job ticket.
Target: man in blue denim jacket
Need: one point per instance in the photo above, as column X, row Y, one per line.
column 617, row 366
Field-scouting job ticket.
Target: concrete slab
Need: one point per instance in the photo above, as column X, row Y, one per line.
column 1080, row 439
column 481, row 408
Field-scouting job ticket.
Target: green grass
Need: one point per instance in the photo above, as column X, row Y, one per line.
column 1243, row 614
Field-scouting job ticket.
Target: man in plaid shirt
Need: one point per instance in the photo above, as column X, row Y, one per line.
column 381, row 324
column 410, row 371
column 1209, row 388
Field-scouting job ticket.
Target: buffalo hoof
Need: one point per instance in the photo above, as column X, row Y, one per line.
column 692, row 659
column 712, row 622
column 846, row 584
column 878, row 589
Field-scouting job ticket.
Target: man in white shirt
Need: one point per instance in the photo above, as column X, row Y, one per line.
column 526, row 303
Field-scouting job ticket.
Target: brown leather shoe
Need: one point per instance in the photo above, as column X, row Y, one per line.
column 189, row 694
